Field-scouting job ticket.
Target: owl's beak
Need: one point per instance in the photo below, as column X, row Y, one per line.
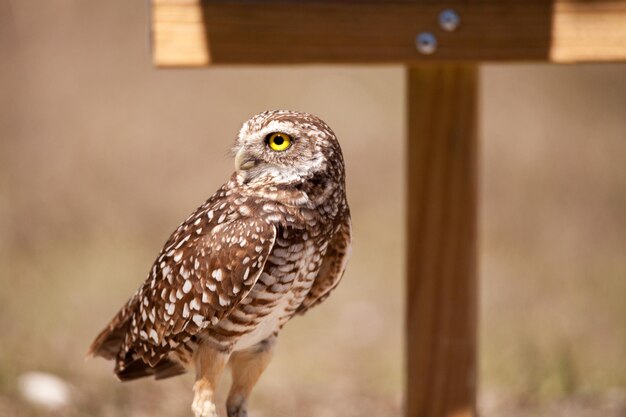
column 243, row 161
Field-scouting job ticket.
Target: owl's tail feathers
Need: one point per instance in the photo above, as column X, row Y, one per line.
column 109, row 342
column 129, row 365
column 137, row 368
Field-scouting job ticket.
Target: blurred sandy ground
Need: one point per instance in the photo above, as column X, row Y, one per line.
column 101, row 156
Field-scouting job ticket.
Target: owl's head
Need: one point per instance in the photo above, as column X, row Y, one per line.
column 282, row 147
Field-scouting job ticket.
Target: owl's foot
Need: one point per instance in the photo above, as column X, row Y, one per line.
column 203, row 405
column 237, row 406
column 203, row 408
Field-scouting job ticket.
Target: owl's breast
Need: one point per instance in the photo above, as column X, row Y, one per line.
column 289, row 273
column 288, row 276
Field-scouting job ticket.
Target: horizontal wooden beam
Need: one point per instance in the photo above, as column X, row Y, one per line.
column 198, row 33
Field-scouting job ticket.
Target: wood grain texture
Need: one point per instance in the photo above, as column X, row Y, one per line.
column 441, row 288
column 198, row 33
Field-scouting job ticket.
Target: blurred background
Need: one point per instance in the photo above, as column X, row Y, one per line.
column 101, row 156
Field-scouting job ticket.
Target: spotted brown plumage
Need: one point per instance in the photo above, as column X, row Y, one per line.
column 271, row 242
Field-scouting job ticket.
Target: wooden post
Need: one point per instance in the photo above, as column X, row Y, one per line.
column 441, row 290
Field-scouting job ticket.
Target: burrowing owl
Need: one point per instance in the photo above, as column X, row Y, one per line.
column 270, row 243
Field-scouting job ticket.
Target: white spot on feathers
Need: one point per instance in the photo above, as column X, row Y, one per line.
column 170, row 308
column 217, row 274
column 223, row 301
column 198, row 319
column 182, row 242
column 184, row 272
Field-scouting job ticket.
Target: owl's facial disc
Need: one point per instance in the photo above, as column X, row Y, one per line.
column 283, row 147
column 276, row 151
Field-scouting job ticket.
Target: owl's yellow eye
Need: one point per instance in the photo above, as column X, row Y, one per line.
column 278, row 141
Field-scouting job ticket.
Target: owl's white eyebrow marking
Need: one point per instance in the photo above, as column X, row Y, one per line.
column 252, row 134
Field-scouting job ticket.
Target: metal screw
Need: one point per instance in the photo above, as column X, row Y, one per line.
column 449, row 20
column 426, row 43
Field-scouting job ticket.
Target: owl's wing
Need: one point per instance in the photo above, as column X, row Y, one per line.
column 206, row 268
column 333, row 266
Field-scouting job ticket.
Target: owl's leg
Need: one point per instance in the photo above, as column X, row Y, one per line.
column 247, row 366
column 210, row 363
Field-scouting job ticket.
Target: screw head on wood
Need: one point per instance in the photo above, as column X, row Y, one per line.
column 449, row 20
column 426, row 43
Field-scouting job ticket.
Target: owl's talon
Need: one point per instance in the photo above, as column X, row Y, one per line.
column 238, row 410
